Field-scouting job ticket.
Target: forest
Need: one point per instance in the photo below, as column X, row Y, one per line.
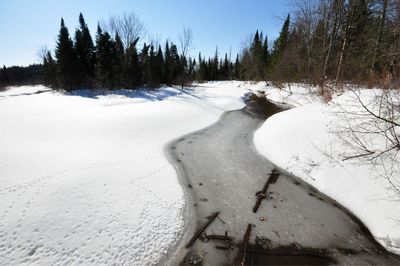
column 321, row 42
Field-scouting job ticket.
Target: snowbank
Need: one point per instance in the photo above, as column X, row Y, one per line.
column 305, row 142
column 83, row 177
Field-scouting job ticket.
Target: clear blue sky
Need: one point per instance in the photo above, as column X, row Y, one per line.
column 28, row 25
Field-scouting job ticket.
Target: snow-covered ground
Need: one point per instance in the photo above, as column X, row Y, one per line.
column 84, row 179
column 306, row 142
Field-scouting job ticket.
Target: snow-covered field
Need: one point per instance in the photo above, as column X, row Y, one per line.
column 305, row 142
column 84, row 179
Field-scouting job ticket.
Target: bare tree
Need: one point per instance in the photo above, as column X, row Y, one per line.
column 336, row 7
column 128, row 26
column 372, row 131
column 42, row 53
column 185, row 42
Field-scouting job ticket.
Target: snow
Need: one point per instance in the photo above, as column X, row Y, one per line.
column 305, row 141
column 84, row 179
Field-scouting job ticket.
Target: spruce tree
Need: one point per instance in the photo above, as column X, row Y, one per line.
column 158, row 67
column 225, row 68
column 256, row 46
column 236, row 67
column 214, row 73
column 85, row 48
column 151, row 70
column 167, row 65
column 4, row 78
column 281, row 42
column 134, row 72
column 67, row 72
column 118, row 62
column 49, row 69
column 105, row 60
column 175, row 64
column 145, row 64
column 265, row 53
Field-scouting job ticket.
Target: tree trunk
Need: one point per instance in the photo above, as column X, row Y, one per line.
column 379, row 37
column 344, row 47
column 332, row 37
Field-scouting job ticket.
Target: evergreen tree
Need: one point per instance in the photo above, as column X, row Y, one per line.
column 4, row 78
column 175, row 63
column 214, row 66
column 265, row 54
column 281, row 42
column 155, row 67
column 134, row 72
column 145, row 64
column 105, row 60
column 225, row 68
column 67, row 65
column 49, row 69
column 202, row 69
column 158, row 67
column 118, row 66
column 256, row 47
column 167, row 65
column 192, row 69
column 85, row 49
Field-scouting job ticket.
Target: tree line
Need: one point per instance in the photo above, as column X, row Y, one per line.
column 113, row 61
column 322, row 42
column 331, row 41
column 18, row 75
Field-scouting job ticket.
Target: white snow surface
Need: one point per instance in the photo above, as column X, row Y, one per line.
column 84, row 179
column 304, row 142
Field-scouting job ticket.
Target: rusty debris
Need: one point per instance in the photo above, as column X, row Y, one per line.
column 263, row 193
column 218, row 237
column 210, row 218
column 245, row 243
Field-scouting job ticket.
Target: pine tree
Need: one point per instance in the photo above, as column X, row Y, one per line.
column 158, row 66
column 265, row 54
column 214, row 73
column 4, row 78
column 281, row 42
column 236, row 67
column 192, row 69
column 256, row 47
column 175, row 63
column 118, row 62
column 153, row 76
column 85, row 49
column 134, row 72
column 67, row 72
column 225, row 68
column 105, row 59
column 145, row 64
column 49, row 68
column 167, row 65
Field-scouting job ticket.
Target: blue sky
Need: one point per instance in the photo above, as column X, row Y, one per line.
column 28, row 25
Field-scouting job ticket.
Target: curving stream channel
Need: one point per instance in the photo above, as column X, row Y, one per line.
column 221, row 171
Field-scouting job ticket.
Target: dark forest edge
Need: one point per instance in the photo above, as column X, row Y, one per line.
column 328, row 42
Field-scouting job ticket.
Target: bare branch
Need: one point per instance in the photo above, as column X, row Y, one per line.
column 128, row 26
column 185, row 40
